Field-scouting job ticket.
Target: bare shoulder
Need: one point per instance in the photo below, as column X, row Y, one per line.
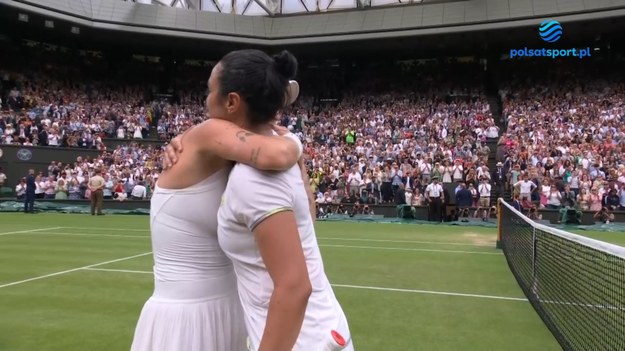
column 212, row 127
column 193, row 165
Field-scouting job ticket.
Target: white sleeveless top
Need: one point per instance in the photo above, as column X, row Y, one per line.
column 188, row 262
column 250, row 197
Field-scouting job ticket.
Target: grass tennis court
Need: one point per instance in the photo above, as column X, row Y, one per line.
column 77, row 282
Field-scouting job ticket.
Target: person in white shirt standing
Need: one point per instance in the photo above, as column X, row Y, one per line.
column 435, row 197
column 20, row 189
column 484, row 190
column 50, row 184
column 526, row 187
column 353, row 180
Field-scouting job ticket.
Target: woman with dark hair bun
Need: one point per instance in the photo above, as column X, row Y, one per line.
column 258, row 80
column 195, row 305
column 265, row 221
column 266, row 227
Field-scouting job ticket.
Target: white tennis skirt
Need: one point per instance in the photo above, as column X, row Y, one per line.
column 192, row 316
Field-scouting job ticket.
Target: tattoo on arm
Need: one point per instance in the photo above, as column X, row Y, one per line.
column 254, row 158
column 243, row 134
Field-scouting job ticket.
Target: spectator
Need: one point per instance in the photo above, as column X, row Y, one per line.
column 498, row 178
column 612, row 199
column 400, row 196
column 594, row 200
column 554, row 198
column 464, row 200
column 139, row 191
column 108, row 187
column 20, row 189
column 60, row 190
column 525, row 186
column 3, row 178
column 74, row 189
column 516, row 203
column 484, row 189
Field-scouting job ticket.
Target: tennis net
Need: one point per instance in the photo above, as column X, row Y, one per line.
column 575, row 284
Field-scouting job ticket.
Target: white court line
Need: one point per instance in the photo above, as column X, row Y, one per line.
column 430, row 292
column 320, row 245
column 74, row 270
column 30, row 231
column 117, row 270
column 411, row 249
column 83, row 234
column 326, row 238
column 358, row 287
column 105, row 229
column 342, row 239
column 405, row 241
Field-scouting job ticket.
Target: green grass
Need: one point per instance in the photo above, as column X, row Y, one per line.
column 617, row 238
column 97, row 310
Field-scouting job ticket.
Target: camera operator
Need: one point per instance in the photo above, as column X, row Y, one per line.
column 367, row 211
column 356, row 209
column 605, row 214
column 569, row 204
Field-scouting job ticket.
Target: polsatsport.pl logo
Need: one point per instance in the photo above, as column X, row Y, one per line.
column 550, row 31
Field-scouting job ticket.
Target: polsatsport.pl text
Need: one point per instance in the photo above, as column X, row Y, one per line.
column 553, row 53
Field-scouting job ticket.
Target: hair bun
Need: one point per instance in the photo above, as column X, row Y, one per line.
column 286, row 64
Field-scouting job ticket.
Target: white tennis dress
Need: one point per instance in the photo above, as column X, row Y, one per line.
column 250, row 197
column 195, row 306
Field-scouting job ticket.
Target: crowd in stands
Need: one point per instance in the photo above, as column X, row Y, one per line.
column 42, row 109
column 417, row 130
column 399, row 128
column 362, row 148
column 565, row 142
column 130, row 172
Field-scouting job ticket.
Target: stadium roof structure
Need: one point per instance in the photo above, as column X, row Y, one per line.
column 276, row 7
column 338, row 26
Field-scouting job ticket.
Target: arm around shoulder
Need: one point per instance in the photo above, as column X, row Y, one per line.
column 229, row 141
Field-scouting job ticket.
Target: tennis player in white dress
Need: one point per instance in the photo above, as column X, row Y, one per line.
column 266, row 229
column 195, row 305
column 254, row 215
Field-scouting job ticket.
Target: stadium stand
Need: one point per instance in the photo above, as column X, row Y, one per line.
column 376, row 129
column 566, row 130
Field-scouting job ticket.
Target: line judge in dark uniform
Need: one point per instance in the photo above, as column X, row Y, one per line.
column 435, row 197
column 29, row 200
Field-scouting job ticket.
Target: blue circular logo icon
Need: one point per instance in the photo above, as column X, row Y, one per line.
column 24, row 154
column 550, row 31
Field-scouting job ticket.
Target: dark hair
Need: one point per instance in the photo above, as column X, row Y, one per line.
column 260, row 80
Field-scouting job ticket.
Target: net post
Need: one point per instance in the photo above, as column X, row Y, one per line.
column 534, row 259
column 498, row 242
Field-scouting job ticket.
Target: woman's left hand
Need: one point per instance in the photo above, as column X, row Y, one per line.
column 170, row 154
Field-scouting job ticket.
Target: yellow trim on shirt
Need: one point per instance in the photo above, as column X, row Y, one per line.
column 269, row 214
